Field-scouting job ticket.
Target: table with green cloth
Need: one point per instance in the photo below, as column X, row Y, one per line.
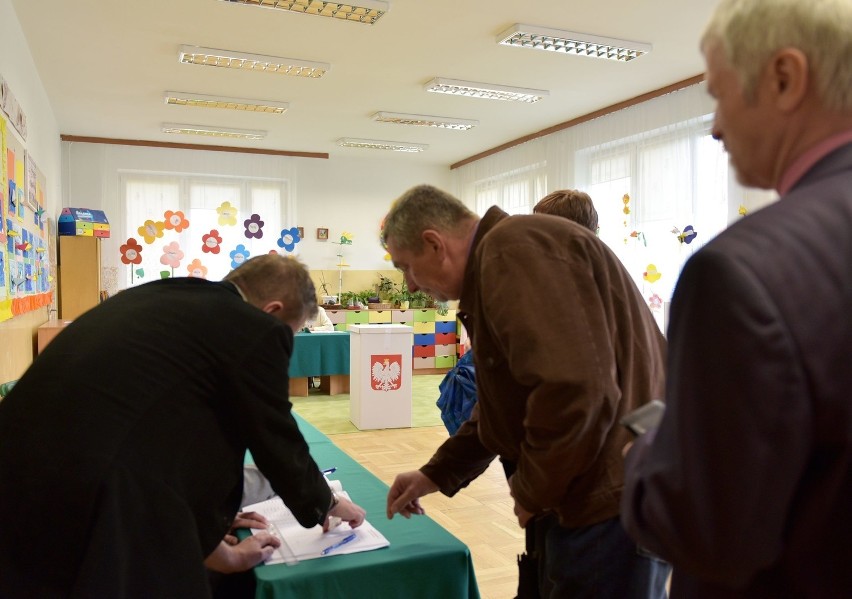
column 320, row 354
column 423, row 560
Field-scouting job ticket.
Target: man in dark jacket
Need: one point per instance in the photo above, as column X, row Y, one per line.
column 746, row 487
column 121, row 447
column 549, row 398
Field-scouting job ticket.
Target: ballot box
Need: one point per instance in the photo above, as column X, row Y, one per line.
column 380, row 375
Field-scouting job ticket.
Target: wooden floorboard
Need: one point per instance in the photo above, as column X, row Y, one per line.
column 480, row 516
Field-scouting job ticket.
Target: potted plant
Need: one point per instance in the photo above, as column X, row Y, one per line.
column 348, row 299
column 385, row 288
column 400, row 296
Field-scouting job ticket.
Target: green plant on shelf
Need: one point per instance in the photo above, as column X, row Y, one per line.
column 385, row 288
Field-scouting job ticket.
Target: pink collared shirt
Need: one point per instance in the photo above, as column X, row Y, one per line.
column 804, row 162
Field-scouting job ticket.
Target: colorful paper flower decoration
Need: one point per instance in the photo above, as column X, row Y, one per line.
column 687, row 235
column 640, row 236
column 175, row 220
column 626, row 200
column 239, row 255
column 254, row 226
column 131, row 252
column 651, row 274
column 227, row 214
column 346, row 238
column 151, row 230
column 172, row 255
column 197, row 269
column 289, row 239
column 655, row 302
column 210, row 242
column 742, row 210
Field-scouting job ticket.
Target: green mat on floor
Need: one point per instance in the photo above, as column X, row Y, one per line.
column 330, row 413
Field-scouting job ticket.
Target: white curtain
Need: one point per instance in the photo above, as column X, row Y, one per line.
column 653, row 171
column 136, row 186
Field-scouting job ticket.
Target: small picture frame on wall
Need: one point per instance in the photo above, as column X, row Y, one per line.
column 322, row 234
column 301, row 231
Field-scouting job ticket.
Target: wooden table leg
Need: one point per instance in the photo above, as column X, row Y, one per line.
column 335, row 384
column 299, row 387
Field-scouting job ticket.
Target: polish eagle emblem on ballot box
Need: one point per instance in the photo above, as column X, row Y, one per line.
column 386, row 372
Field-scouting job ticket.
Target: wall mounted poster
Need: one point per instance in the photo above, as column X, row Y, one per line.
column 24, row 256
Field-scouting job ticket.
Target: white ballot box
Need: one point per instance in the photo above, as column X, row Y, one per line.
column 380, row 375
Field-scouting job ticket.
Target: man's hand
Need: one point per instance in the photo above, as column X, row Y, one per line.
column 245, row 520
column 406, row 491
column 523, row 515
column 249, row 520
column 248, row 553
column 347, row 511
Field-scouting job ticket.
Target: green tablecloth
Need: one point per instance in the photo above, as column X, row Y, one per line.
column 423, row 561
column 320, row 354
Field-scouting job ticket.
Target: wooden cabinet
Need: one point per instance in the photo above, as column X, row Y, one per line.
column 435, row 335
column 79, row 275
column 48, row 331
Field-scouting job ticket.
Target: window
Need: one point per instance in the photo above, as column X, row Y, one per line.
column 515, row 192
column 671, row 181
column 208, row 204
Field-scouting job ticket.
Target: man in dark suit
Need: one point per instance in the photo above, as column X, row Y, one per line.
column 121, row 448
column 746, row 485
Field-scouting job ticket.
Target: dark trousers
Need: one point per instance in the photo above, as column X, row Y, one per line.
column 596, row 562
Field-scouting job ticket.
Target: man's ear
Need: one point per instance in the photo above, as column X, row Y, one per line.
column 272, row 307
column 433, row 241
column 790, row 78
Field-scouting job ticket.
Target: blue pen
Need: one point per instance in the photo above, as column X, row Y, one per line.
column 331, row 470
column 340, row 543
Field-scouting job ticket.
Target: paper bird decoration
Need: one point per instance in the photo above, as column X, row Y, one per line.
column 25, row 246
column 688, row 234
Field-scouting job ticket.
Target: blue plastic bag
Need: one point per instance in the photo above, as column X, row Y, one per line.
column 458, row 393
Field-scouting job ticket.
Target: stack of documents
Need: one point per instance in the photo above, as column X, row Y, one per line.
column 298, row 543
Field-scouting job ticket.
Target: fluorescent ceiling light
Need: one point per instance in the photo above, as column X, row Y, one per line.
column 378, row 144
column 425, row 121
column 366, row 11
column 213, row 131
column 570, row 42
column 485, row 90
column 201, row 100
column 252, row 62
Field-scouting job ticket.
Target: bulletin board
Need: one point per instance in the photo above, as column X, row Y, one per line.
column 25, row 281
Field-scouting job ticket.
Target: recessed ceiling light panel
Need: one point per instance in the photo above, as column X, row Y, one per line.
column 423, row 120
column 485, row 90
column 379, row 144
column 205, row 101
column 252, row 62
column 212, row 131
column 365, row 11
column 571, row 42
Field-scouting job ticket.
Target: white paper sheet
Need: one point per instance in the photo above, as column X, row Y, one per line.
column 300, row 543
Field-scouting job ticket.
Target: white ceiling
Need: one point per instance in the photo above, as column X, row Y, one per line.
column 106, row 63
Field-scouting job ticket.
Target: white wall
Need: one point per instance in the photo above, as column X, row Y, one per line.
column 354, row 195
column 42, row 143
column 340, row 194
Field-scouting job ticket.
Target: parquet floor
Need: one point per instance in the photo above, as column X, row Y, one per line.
column 480, row 515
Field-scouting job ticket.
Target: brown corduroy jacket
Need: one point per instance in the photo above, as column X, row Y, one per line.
column 564, row 346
